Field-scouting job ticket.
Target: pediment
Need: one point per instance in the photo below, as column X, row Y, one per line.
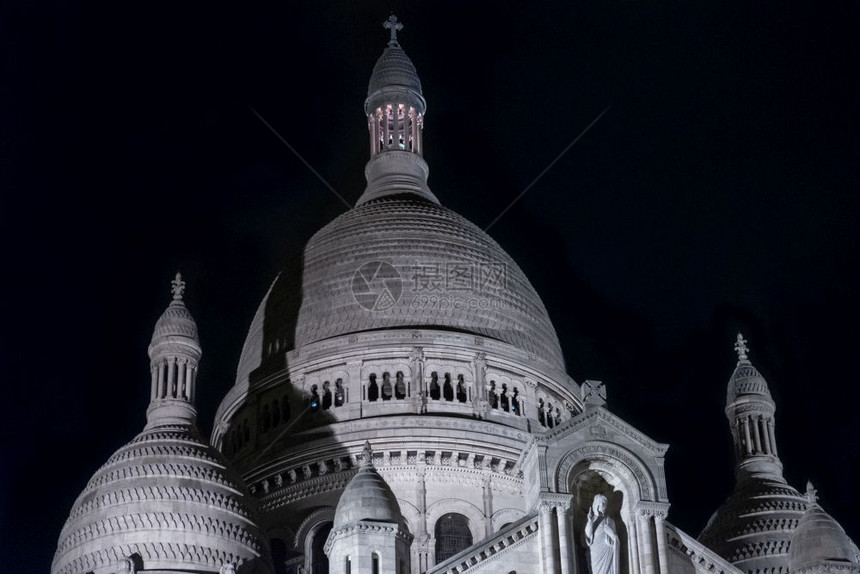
column 597, row 423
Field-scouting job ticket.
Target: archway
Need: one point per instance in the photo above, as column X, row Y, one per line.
column 319, row 560
column 453, row 535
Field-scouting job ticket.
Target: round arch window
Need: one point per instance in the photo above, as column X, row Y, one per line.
column 452, row 536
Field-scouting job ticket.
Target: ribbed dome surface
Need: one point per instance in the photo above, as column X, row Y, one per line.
column 367, row 497
column 818, row 540
column 746, row 380
column 394, row 68
column 417, row 239
column 753, row 528
column 175, row 323
column 168, row 497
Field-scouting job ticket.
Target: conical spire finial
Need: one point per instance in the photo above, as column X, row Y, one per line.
column 367, row 455
column 741, row 348
column 393, row 26
column 177, row 287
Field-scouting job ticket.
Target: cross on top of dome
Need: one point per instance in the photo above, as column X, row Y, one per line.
column 177, row 287
column 741, row 348
column 393, row 26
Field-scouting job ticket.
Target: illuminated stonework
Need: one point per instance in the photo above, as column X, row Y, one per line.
column 402, row 405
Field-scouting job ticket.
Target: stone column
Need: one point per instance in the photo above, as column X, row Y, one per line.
column 770, row 427
column 422, row 539
column 661, row 542
column 765, row 436
column 644, row 527
column 634, row 543
column 387, row 126
column 480, row 402
column 180, row 379
column 756, row 435
column 153, row 386
column 547, row 548
column 565, row 538
column 488, row 505
column 748, row 449
column 416, row 383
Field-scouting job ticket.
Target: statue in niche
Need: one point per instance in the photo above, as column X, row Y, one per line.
column 601, row 537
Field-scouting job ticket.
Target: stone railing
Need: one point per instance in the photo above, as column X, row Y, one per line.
column 489, row 549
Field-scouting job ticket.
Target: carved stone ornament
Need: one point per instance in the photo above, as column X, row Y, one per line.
column 594, row 393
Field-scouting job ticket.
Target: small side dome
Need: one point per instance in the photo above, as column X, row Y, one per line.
column 169, row 499
column 820, row 541
column 367, row 497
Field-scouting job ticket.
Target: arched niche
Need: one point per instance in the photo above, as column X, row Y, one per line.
column 587, row 484
column 615, row 460
column 604, row 468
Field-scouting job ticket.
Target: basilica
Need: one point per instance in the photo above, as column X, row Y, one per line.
column 401, row 405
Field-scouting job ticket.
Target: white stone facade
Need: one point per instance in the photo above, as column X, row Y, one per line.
column 461, row 420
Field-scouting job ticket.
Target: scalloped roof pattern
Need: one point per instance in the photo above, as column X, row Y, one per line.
column 435, row 252
column 170, row 498
column 394, row 68
column 753, row 528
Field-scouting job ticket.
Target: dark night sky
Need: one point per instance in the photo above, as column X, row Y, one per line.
column 718, row 193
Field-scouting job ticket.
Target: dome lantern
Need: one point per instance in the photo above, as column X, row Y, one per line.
column 174, row 354
column 750, row 410
column 395, row 109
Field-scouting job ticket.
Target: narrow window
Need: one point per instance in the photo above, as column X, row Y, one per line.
column 461, row 389
column 448, row 388
column 399, row 386
column 494, row 397
column 387, row 390
column 372, row 389
column 315, row 399
column 375, row 568
column 435, row 392
column 326, row 398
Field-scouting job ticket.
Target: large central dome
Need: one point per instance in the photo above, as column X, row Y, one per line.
column 407, row 262
column 398, row 259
